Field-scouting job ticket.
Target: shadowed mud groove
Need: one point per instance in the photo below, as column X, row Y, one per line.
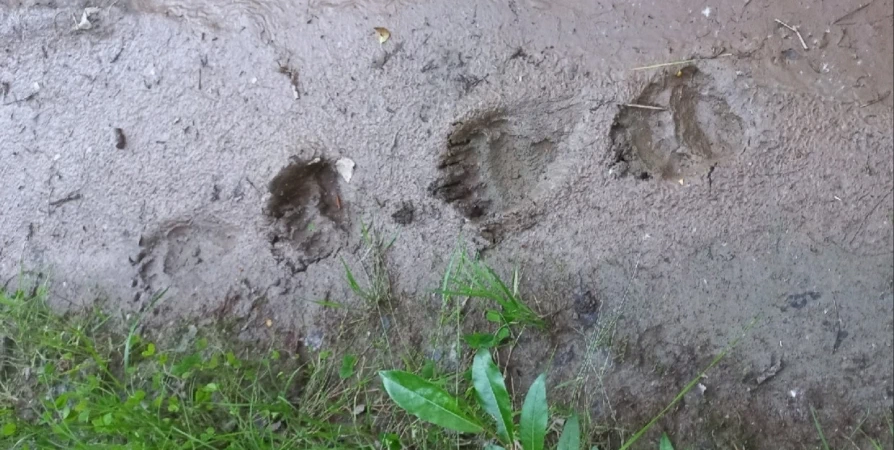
column 694, row 130
column 307, row 214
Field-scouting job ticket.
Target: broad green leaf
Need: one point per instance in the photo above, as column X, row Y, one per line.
column 428, row 369
column 502, row 334
column 534, row 416
column 173, row 404
column 150, row 350
column 184, row 366
column 213, row 362
column 427, row 401
column 232, row 361
column 665, row 443
column 347, row 366
column 492, row 395
column 486, row 340
column 390, row 441
column 570, row 439
column 480, row 340
column 8, row 429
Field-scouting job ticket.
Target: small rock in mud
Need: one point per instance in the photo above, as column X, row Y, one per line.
column 757, row 379
column 345, row 168
column 618, row 170
column 120, row 139
column 314, row 340
column 770, row 372
column 85, row 23
column 404, row 215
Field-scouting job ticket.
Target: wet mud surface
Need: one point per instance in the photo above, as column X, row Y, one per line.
column 685, row 138
column 190, row 145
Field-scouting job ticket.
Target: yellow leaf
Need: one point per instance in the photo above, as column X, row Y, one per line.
column 383, row 34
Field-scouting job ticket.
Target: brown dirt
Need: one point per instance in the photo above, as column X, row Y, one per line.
column 169, row 145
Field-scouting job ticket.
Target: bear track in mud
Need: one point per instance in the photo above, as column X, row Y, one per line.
column 694, row 130
column 498, row 166
column 308, row 218
column 174, row 255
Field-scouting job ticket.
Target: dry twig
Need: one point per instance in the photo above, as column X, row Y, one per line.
column 795, row 30
column 649, row 107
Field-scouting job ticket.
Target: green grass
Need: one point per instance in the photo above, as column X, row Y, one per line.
column 871, row 442
column 74, row 381
column 87, row 380
column 819, row 429
column 377, row 291
column 470, row 277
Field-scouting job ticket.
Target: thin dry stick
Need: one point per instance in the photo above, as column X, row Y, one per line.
column 851, row 13
column 656, row 66
column 649, row 107
column 509, row 356
column 678, row 63
column 795, row 30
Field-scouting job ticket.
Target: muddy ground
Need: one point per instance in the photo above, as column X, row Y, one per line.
column 173, row 144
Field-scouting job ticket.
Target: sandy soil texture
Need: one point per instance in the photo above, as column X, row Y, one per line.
column 191, row 145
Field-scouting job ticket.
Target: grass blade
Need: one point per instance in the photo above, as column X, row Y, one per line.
column 534, row 416
column 490, row 389
column 819, row 429
column 133, row 327
column 352, row 282
column 448, row 276
column 427, row 401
